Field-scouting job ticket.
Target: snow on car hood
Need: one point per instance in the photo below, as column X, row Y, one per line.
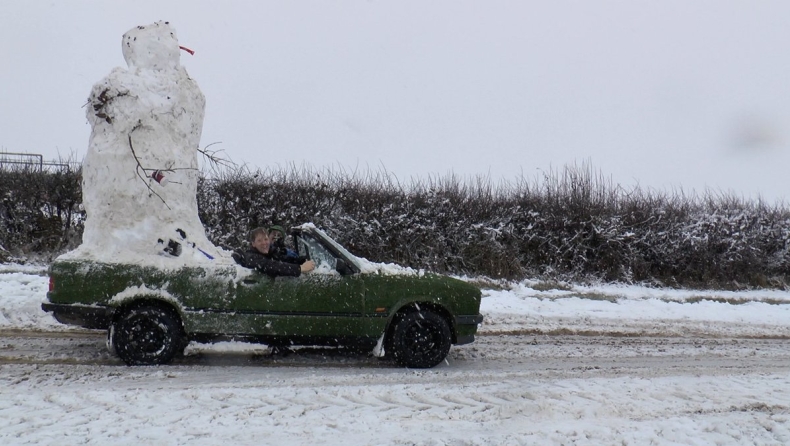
column 388, row 269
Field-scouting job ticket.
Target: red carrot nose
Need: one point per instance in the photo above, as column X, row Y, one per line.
column 187, row 50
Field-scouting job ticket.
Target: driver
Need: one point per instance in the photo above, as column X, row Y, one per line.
column 261, row 258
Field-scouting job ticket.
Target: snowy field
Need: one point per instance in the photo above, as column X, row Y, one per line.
column 598, row 365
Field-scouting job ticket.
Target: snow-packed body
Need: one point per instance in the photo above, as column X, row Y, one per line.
column 140, row 172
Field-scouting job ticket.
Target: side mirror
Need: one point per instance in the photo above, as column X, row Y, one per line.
column 343, row 268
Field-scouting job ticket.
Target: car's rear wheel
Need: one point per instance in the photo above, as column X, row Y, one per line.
column 147, row 335
column 420, row 339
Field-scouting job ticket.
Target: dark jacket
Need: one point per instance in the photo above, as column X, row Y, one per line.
column 267, row 264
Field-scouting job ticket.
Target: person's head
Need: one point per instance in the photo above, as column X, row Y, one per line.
column 276, row 233
column 259, row 238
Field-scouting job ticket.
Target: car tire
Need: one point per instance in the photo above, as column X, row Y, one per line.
column 147, row 335
column 420, row 339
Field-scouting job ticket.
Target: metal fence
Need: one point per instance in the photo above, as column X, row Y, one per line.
column 35, row 161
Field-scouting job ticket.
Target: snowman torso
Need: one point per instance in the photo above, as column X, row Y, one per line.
column 146, row 118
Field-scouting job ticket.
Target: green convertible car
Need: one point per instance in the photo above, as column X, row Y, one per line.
column 153, row 313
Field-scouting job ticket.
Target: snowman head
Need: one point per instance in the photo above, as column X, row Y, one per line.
column 153, row 47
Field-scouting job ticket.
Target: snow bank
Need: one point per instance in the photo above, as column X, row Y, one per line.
column 22, row 290
column 635, row 310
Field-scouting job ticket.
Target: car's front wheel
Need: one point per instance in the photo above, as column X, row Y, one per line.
column 147, row 335
column 420, row 339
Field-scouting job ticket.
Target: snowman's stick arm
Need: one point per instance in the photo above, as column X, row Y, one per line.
column 141, row 168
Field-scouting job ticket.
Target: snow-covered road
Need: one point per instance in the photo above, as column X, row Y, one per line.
column 719, row 374
column 500, row 390
column 548, row 356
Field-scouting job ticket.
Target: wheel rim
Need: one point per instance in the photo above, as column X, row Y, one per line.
column 146, row 335
column 422, row 338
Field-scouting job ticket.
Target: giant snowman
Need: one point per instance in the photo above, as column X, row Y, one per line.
column 140, row 172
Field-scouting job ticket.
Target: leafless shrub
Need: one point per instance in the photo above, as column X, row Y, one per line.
column 566, row 224
column 40, row 211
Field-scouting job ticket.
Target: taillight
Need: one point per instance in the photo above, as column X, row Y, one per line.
column 51, row 283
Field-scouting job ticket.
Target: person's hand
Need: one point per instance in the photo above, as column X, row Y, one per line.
column 307, row 266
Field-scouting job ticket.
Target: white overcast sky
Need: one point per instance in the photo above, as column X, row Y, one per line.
column 667, row 94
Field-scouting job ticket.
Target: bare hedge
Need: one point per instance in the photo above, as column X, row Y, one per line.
column 40, row 212
column 570, row 225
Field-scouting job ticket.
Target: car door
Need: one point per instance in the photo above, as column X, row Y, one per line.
column 318, row 303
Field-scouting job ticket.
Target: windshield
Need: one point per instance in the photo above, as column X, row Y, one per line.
column 351, row 257
column 308, row 244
